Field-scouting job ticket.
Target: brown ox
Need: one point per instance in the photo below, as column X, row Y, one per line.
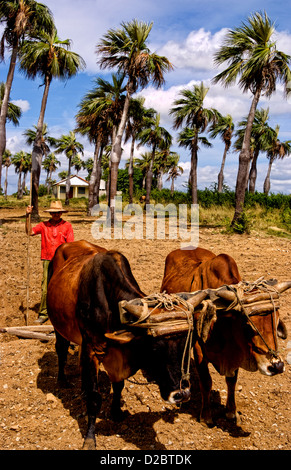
column 86, row 285
column 234, row 340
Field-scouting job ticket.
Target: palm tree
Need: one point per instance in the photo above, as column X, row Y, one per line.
column 98, row 117
column 50, row 164
column 174, row 172
column 70, row 146
column 137, row 118
column 46, row 140
column 261, row 136
column 14, row 112
column 21, row 162
column 190, row 139
column 158, row 138
column 6, row 163
column 251, row 55
column 26, row 168
column 47, row 56
column 223, row 128
column 277, row 149
column 189, row 109
column 143, row 163
column 126, row 49
column 20, row 18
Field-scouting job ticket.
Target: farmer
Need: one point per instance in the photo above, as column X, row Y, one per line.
column 53, row 233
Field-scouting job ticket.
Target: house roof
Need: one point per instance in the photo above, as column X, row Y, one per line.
column 75, row 180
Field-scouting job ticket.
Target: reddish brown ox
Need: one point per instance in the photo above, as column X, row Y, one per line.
column 234, row 340
column 86, row 284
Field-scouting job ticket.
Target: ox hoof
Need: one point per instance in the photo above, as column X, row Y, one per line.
column 89, row 444
column 64, row 383
column 118, row 415
column 235, row 417
column 207, row 422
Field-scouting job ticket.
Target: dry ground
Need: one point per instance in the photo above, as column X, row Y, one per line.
column 35, row 414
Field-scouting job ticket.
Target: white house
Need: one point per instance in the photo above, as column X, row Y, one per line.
column 79, row 187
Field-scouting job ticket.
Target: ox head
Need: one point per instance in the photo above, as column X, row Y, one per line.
column 164, row 343
column 261, row 325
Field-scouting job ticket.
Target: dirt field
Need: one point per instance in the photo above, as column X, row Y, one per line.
column 36, row 415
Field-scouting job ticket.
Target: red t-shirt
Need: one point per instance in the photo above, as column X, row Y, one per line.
column 52, row 236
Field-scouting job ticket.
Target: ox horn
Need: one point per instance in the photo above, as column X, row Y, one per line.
column 136, row 310
column 282, row 286
column 225, row 294
column 197, row 298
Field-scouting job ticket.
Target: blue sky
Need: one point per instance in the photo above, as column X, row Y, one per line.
column 188, row 32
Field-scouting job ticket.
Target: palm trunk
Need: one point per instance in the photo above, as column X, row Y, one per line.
column 4, row 106
column 160, row 181
column 244, row 161
column 37, row 152
column 253, row 173
column 6, row 184
column 68, row 185
column 149, row 178
column 267, row 182
column 194, row 160
column 93, row 177
column 221, row 173
column 130, row 171
column 23, row 185
column 116, row 152
column 98, row 176
column 172, row 186
column 19, row 185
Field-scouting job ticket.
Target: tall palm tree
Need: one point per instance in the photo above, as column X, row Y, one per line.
column 49, row 57
column 126, row 49
column 143, row 163
column 70, row 146
column 50, row 164
column 158, row 138
column 137, row 118
column 276, row 149
column 252, row 58
column 261, row 136
column 174, row 171
column 21, row 162
column 223, row 128
column 46, row 140
column 190, row 138
column 6, row 163
column 20, row 18
column 189, row 109
column 98, row 117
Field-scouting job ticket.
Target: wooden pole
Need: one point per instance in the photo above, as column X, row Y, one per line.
column 28, row 259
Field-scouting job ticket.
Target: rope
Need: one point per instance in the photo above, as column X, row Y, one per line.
column 247, row 287
column 170, row 302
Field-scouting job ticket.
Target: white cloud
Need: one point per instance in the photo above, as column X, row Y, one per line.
column 23, row 104
column 196, row 52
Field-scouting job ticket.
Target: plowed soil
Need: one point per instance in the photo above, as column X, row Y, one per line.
column 36, row 415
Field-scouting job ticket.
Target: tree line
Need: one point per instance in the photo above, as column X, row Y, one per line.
column 112, row 112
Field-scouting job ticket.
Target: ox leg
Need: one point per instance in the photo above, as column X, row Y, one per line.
column 116, row 412
column 90, row 368
column 205, row 383
column 230, row 404
column 62, row 346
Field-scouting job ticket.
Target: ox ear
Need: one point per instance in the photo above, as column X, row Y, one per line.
column 120, row 337
column 282, row 330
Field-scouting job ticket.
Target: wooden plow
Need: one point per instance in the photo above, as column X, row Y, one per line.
column 41, row 332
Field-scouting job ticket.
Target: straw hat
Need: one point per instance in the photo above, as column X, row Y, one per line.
column 56, row 206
